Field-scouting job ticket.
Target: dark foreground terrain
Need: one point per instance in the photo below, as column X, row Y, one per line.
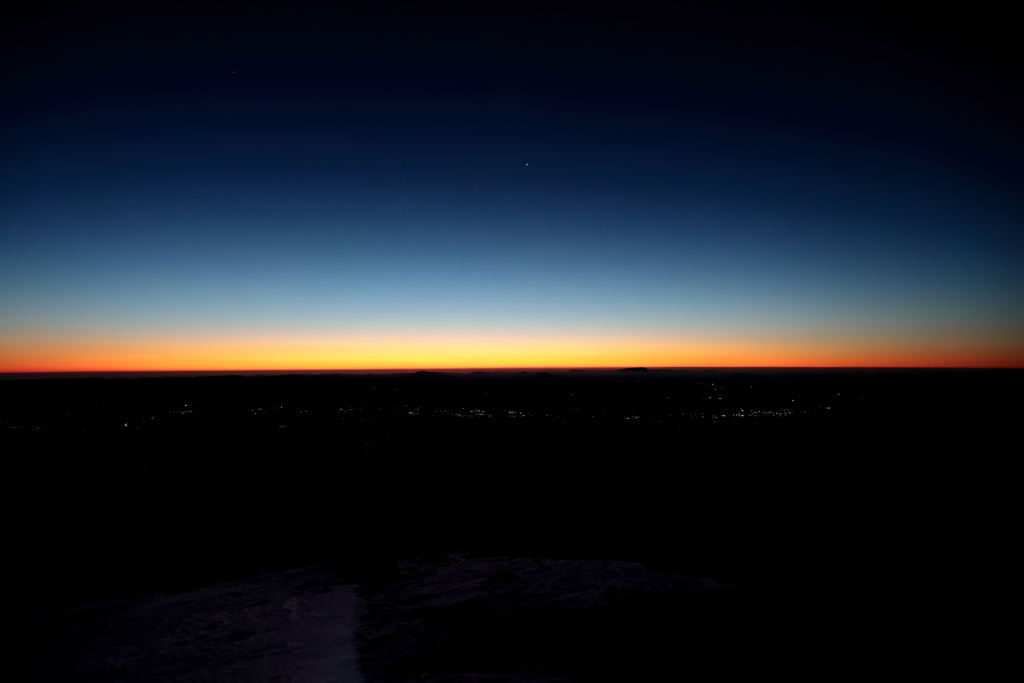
column 571, row 526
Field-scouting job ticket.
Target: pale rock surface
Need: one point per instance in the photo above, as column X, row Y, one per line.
column 293, row 626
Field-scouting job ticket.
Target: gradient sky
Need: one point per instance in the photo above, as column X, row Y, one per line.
column 413, row 188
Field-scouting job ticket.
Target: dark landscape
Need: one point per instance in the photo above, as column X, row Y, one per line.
column 563, row 525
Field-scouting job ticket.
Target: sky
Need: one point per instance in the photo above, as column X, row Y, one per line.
column 244, row 187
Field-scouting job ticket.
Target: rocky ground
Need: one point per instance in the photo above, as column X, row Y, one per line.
column 451, row 618
column 454, row 618
column 294, row 625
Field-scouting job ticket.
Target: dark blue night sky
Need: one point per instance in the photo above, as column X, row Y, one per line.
column 239, row 188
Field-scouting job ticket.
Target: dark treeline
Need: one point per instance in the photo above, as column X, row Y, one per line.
column 120, row 486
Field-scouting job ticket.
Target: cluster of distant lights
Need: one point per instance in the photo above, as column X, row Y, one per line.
column 476, row 412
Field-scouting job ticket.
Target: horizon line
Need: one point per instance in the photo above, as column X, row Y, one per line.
column 469, row 370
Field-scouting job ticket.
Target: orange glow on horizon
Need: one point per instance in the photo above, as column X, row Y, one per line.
column 436, row 352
